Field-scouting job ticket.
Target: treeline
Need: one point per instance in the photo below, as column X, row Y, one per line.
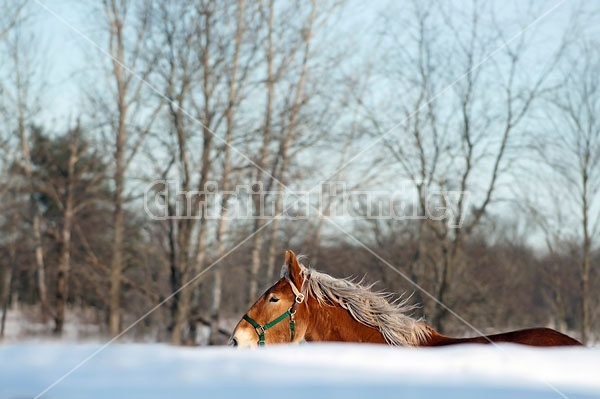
column 490, row 136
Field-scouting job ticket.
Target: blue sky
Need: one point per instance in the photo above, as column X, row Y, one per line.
column 68, row 55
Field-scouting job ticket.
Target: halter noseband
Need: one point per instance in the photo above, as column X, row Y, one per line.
column 260, row 330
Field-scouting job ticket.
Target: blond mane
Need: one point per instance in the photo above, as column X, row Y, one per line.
column 368, row 307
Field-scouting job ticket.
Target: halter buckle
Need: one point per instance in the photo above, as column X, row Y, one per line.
column 260, row 330
column 300, row 298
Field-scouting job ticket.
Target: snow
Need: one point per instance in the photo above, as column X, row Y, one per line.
column 303, row 371
column 23, row 321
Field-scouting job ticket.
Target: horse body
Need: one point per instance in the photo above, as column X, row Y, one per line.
column 323, row 308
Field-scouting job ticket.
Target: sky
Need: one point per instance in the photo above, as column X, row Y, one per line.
column 66, row 41
column 61, row 25
column 63, row 49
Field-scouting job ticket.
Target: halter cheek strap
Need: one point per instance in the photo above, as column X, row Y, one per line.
column 261, row 329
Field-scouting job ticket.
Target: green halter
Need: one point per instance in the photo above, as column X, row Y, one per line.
column 260, row 330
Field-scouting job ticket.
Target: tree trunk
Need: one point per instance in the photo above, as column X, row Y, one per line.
column 585, row 262
column 36, row 225
column 215, row 306
column 118, row 221
column 61, row 283
column 557, row 297
column 222, row 224
column 116, row 46
column 183, row 306
column 272, row 251
column 6, row 293
column 64, row 258
column 440, row 312
column 184, row 309
column 257, row 243
column 7, row 287
column 116, row 266
column 39, row 261
column 175, row 278
column 181, row 300
column 585, row 306
column 287, row 141
column 417, row 264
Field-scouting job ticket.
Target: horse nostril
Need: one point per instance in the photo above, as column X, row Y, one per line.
column 233, row 342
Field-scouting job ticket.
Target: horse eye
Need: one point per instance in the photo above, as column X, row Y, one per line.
column 274, row 299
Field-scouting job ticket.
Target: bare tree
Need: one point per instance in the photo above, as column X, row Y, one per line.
column 12, row 12
column 204, row 67
column 68, row 179
column 19, row 107
column 64, row 257
column 301, row 48
column 124, row 19
column 202, row 99
column 211, row 64
column 179, row 74
column 571, row 149
column 291, row 131
column 23, row 105
column 226, row 171
column 257, row 243
column 455, row 141
column 8, row 275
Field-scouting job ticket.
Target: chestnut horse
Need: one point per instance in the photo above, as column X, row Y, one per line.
column 305, row 305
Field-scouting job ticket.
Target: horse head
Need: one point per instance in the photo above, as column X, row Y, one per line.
column 279, row 315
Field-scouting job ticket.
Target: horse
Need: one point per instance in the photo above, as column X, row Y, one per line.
column 319, row 307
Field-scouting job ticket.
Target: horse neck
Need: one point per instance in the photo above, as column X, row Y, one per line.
column 332, row 323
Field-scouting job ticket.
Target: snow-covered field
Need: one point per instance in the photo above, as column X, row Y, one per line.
column 304, row 371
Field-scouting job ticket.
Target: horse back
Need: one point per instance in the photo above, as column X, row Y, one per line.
column 536, row 337
column 530, row 336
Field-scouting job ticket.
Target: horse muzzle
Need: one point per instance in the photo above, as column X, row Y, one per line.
column 243, row 338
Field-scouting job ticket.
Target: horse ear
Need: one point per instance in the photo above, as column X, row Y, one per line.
column 294, row 269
